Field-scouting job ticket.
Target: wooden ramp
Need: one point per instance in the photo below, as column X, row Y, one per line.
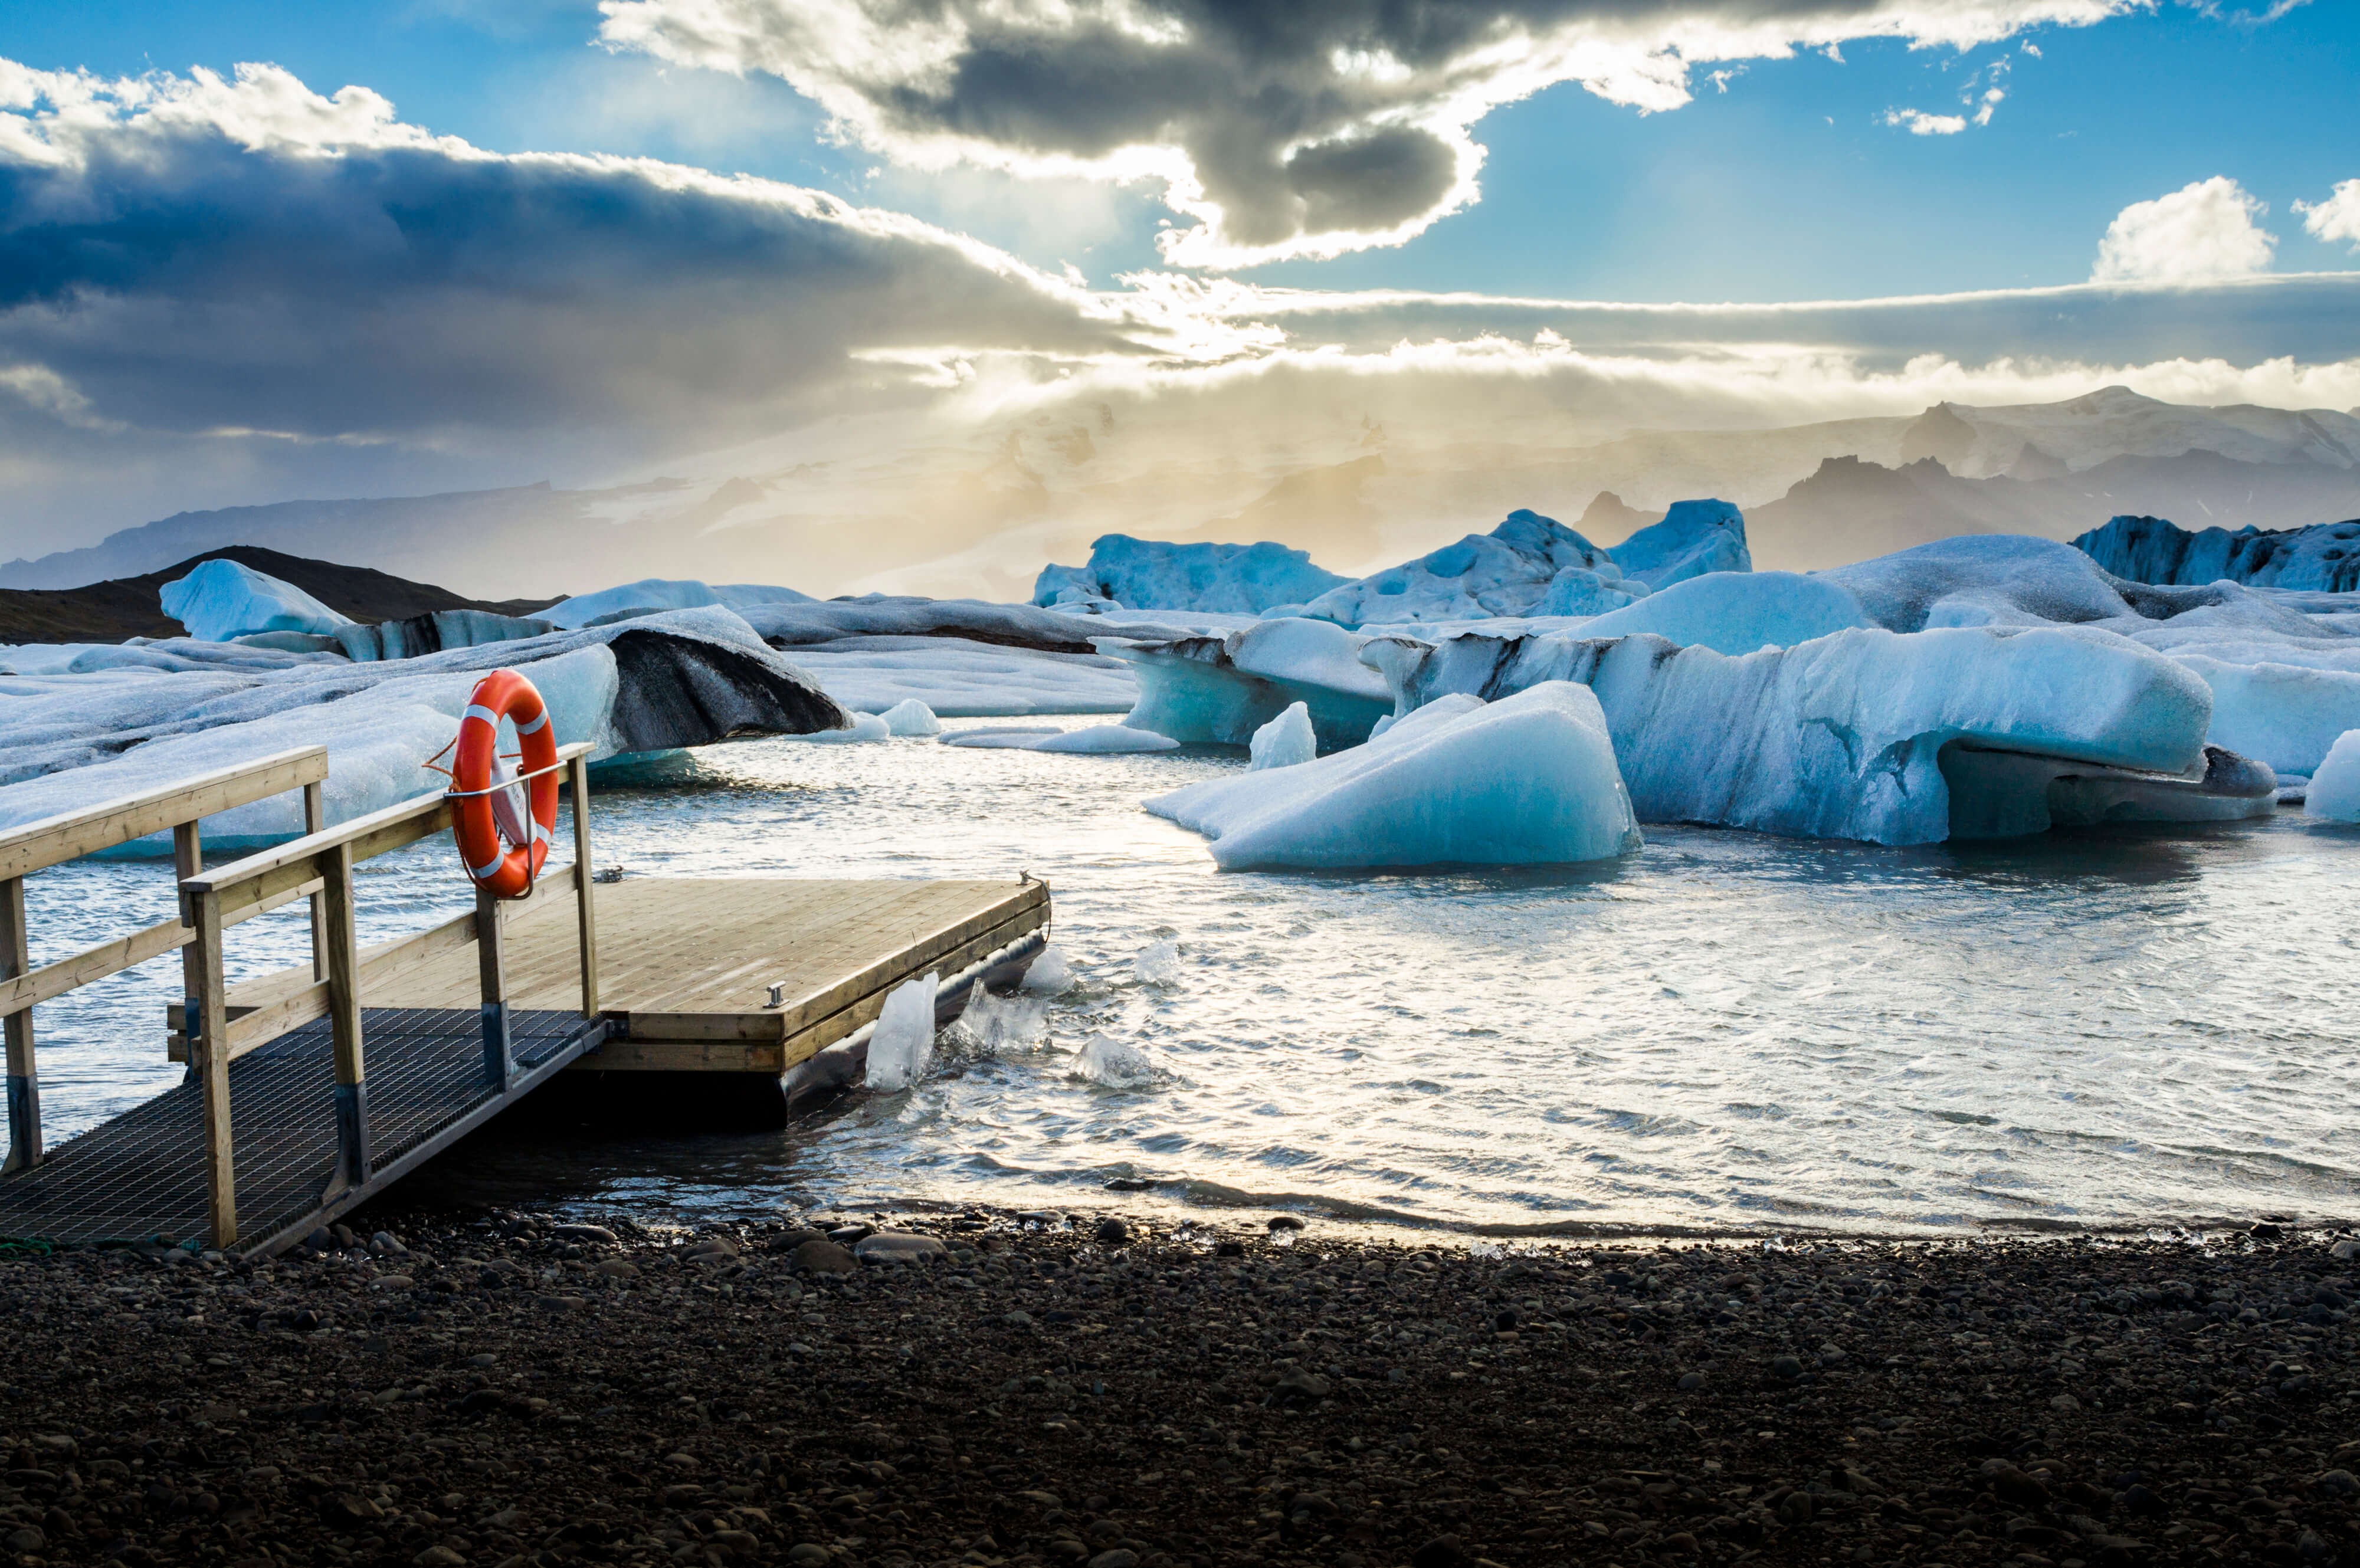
column 312, row 1089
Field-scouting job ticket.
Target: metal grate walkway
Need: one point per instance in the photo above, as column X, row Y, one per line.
column 142, row 1174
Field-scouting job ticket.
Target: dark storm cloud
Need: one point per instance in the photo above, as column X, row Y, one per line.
column 1309, row 127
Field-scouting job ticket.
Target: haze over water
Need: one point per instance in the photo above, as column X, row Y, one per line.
column 1726, row 1031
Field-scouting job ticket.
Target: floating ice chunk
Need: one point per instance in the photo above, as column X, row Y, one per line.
column 1733, row 612
column 1149, row 574
column 904, row 1042
column 911, row 717
column 1530, row 780
column 1106, row 739
column 2279, row 713
column 1503, row 572
column 1006, row 737
column 998, row 1024
column 1222, row 688
column 1110, row 1063
column 963, row 680
column 1157, row 963
column 863, row 729
column 646, row 594
column 1050, row 973
column 1694, row 539
column 2334, row 793
column 223, row 599
column 1284, row 741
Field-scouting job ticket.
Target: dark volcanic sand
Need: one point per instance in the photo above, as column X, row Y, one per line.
column 509, row 1393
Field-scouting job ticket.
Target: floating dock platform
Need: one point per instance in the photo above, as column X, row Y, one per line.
column 311, row 1090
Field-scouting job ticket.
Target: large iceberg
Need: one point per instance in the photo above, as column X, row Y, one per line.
column 685, row 679
column 1737, row 611
column 223, row 599
column 1150, row 574
column 656, row 593
column 1695, row 538
column 2326, row 557
column 1504, row 573
column 1527, row 780
column 1860, row 735
column 434, row 631
column 1223, row 689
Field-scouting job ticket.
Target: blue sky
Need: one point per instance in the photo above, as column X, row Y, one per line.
column 1785, row 184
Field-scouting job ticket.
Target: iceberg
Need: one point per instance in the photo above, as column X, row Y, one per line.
column 1577, row 592
column 1097, row 739
column 954, row 678
column 1222, row 688
column 689, row 678
column 649, row 593
column 2283, row 714
column 1284, row 742
column 1149, row 574
column 861, row 730
column 2334, row 793
column 1845, row 737
column 1530, row 780
column 2324, row 558
column 1111, row 1064
column 431, row 633
column 1504, row 573
column 1695, row 538
column 911, row 717
column 1737, row 611
column 223, row 599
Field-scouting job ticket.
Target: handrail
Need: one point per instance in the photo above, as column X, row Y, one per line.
column 262, row 868
column 69, row 835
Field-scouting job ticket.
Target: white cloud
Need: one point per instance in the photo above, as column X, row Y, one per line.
column 2337, row 218
column 2202, row 232
column 1921, row 124
column 1308, row 129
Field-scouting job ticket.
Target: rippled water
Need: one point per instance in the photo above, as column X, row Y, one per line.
column 1725, row 1030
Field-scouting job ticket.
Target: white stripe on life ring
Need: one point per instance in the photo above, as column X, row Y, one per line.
column 536, row 726
column 477, row 710
column 487, row 868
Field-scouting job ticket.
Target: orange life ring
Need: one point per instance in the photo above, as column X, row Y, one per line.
column 502, row 849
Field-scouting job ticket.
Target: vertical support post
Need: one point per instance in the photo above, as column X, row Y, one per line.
column 338, row 933
column 497, row 1055
column 315, row 817
column 23, row 1081
column 189, row 860
column 585, row 902
column 208, row 1018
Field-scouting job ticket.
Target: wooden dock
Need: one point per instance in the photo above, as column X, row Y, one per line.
column 313, row 1089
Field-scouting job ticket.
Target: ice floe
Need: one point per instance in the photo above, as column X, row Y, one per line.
column 1149, row 574
column 223, row 599
column 1099, row 739
column 2334, row 793
column 1529, row 780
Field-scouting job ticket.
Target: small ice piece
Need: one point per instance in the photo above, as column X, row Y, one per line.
column 998, row 1024
column 904, row 1042
column 1158, row 964
column 2335, row 789
column 1050, row 973
column 1005, row 738
column 911, row 717
column 223, row 599
column 1530, row 780
column 1107, row 739
column 1284, row 741
column 1107, row 1061
column 865, row 727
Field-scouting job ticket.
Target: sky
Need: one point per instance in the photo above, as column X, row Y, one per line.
column 254, row 251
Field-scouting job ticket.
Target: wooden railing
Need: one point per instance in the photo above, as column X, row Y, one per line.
column 55, row 840
column 212, row 902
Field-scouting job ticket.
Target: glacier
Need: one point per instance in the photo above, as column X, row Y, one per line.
column 223, row 599
column 1150, row 574
column 1530, row 780
column 2324, row 558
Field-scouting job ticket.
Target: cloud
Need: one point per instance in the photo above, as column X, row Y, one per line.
column 1309, row 128
column 2202, row 233
column 1921, row 124
column 2337, row 218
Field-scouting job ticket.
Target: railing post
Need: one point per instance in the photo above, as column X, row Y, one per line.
column 577, row 775
column 315, row 817
column 497, row 1055
column 24, row 1080
column 189, row 860
column 337, row 931
column 208, row 1020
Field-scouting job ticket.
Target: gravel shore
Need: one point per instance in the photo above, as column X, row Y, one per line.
column 1039, row 1389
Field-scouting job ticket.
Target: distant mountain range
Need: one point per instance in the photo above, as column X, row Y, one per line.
column 978, row 511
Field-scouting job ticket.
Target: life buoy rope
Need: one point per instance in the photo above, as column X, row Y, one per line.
column 503, row 817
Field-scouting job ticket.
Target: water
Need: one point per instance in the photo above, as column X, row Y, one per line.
column 1726, row 1031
